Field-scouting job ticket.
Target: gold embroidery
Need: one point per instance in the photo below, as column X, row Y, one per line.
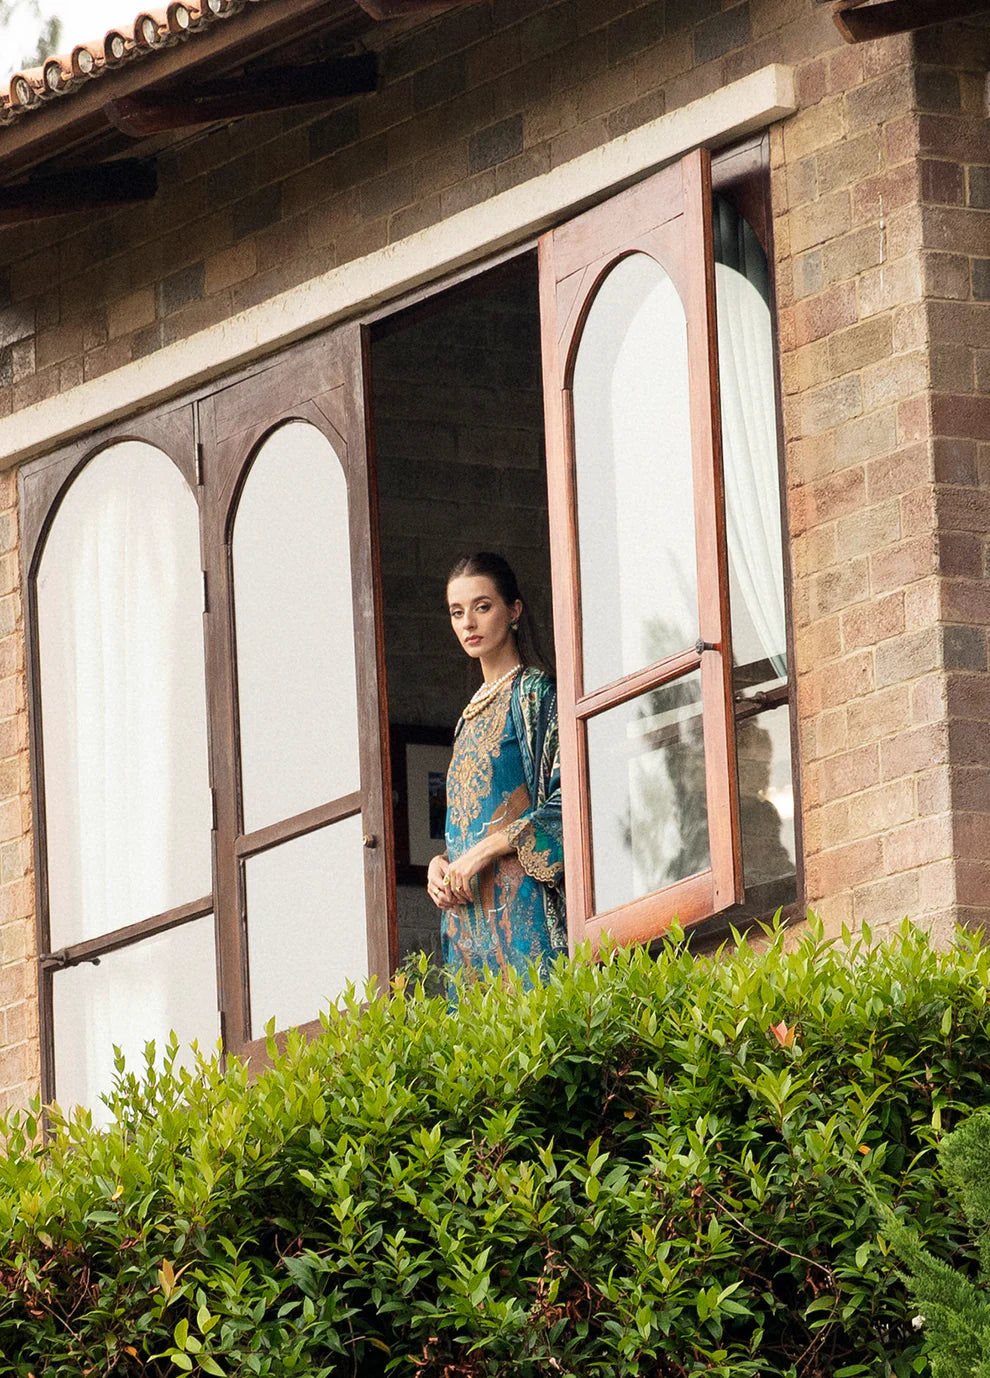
column 478, row 744
column 536, row 864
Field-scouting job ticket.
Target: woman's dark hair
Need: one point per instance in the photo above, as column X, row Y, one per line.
column 500, row 572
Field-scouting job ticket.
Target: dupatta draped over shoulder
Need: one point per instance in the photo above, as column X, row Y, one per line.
column 505, row 776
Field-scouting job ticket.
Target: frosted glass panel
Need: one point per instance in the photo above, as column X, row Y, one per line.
column 120, row 617
column 635, row 502
column 306, row 924
column 295, row 629
column 649, row 813
column 135, row 994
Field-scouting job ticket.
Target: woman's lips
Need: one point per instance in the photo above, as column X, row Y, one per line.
column 471, row 640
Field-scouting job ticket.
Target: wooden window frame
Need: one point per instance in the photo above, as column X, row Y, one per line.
column 185, row 431
column 575, row 258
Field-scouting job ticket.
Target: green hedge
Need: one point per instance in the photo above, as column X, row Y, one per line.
column 660, row 1167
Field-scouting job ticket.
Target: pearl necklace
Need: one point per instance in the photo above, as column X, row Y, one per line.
column 484, row 695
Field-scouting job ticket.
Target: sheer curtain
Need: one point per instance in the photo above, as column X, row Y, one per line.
column 749, row 440
column 127, row 803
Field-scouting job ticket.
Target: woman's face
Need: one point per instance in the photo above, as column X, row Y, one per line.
column 481, row 619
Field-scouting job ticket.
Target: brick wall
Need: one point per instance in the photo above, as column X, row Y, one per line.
column 954, row 148
column 878, row 273
column 19, row 1051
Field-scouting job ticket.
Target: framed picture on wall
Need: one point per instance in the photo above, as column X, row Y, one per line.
column 420, row 757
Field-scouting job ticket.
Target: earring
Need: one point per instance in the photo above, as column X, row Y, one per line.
column 514, row 626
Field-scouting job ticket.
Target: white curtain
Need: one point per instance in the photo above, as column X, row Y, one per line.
column 127, row 803
column 749, row 441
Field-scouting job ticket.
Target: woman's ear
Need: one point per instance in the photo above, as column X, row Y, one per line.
column 517, row 611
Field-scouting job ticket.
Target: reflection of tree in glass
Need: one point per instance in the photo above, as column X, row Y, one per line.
column 666, row 827
column 766, row 857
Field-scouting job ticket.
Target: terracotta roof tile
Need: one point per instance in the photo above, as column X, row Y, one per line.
column 150, row 31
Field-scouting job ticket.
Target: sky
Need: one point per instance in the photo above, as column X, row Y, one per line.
column 81, row 20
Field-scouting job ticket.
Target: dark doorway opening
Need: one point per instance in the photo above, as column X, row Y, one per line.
column 457, row 403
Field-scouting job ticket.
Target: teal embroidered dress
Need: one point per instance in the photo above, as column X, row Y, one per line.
column 505, row 775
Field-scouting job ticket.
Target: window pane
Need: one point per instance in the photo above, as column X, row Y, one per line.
column 123, row 698
column 752, row 486
column 649, row 814
column 138, row 993
column 766, row 796
column 306, row 924
column 295, row 629
column 635, row 501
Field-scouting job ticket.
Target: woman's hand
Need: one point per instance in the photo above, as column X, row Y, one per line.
column 438, row 892
column 459, row 874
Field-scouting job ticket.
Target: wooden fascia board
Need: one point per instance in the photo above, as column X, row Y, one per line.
column 858, row 21
column 64, row 123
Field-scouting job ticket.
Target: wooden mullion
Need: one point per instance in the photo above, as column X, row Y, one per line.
column 132, row 933
column 287, row 829
column 641, row 682
column 224, row 774
column 564, row 568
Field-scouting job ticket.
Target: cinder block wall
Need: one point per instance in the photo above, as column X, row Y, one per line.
column 879, row 209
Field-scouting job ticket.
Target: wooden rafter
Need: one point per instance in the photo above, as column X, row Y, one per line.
column 858, row 21
column 207, row 102
column 76, row 189
column 399, row 9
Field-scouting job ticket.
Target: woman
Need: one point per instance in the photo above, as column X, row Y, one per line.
column 499, row 885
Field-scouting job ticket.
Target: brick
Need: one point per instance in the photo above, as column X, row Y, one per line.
column 960, row 137
column 844, row 867
column 496, row 144
column 967, row 417
column 715, row 37
column 893, row 379
column 942, row 183
column 865, row 343
column 913, row 751
column 872, row 529
column 946, row 275
column 851, row 161
column 890, row 899
column 937, row 90
column 821, row 220
column 851, row 254
column 884, row 806
column 978, row 187
column 231, row 265
column 911, row 560
column 814, row 128
column 954, row 229
column 964, row 648
column 836, row 684
column 257, row 211
column 981, row 283
column 892, row 284
column 903, row 472
column 878, row 715
column 880, row 101
column 824, row 314
column 830, row 405
column 873, row 622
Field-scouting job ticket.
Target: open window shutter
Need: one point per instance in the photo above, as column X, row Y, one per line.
column 639, row 560
column 301, row 840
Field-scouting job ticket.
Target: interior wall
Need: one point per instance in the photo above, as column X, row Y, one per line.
column 458, row 413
